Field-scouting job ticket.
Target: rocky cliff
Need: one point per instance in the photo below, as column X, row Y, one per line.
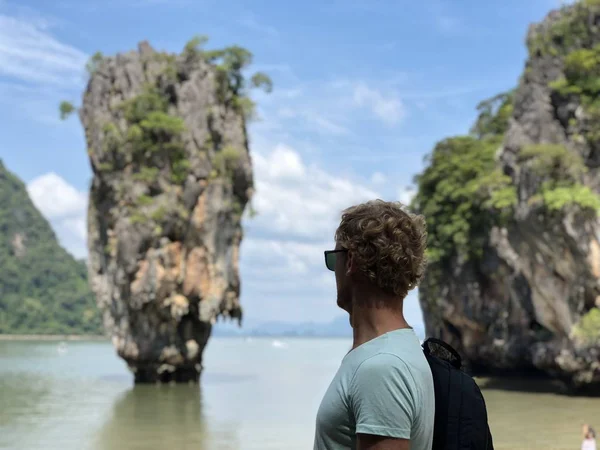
column 43, row 289
column 167, row 143
column 514, row 275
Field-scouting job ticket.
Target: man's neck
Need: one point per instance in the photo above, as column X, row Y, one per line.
column 371, row 322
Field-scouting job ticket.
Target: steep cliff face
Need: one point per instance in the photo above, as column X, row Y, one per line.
column 167, row 142
column 43, row 289
column 514, row 280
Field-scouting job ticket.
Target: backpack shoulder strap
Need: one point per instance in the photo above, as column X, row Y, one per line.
column 428, row 345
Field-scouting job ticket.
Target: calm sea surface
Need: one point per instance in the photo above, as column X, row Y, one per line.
column 255, row 394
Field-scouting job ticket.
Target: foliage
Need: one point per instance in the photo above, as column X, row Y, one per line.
column 159, row 214
column 582, row 79
column 93, row 62
column 113, row 140
column 569, row 31
column 43, row 289
column 225, row 161
column 237, row 208
column 144, row 200
column 193, row 46
column 146, row 174
column 459, row 192
column 261, row 80
column 230, row 62
column 582, row 72
column 137, row 108
column 494, row 115
column 252, row 212
column 553, row 160
column 66, row 109
column 562, row 170
column 152, row 131
column 246, row 106
column 232, row 87
column 588, row 328
column 137, row 217
column 556, row 197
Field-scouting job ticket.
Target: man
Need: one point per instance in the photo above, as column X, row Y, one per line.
column 382, row 396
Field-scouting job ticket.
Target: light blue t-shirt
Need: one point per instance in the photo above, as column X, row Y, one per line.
column 383, row 387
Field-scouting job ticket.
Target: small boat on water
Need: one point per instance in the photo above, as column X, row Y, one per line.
column 62, row 348
column 278, row 344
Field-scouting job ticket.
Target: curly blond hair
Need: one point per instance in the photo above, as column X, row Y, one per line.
column 387, row 242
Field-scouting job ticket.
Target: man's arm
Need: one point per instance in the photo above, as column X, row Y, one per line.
column 381, row 398
column 371, row 442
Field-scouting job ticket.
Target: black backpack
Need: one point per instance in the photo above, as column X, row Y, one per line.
column 461, row 421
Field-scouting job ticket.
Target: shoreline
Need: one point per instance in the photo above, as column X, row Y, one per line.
column 52, row 337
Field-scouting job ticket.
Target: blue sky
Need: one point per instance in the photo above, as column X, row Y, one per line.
column 363, row 90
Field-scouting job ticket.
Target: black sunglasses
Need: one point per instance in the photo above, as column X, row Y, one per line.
column 331, row 258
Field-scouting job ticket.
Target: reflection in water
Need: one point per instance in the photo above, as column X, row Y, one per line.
column 22, row 393
column 161, row 417
column 254, row 397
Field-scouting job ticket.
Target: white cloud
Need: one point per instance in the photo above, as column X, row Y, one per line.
column 56, row 198
column 77, row 225
column 299, row 206
column 287, row 256
column 30, row 53
column 299, row 200
column 387, row 107
column 337, row 107
column 65, row 207
column 405, row 195
column 378, row 178
column 283, row 163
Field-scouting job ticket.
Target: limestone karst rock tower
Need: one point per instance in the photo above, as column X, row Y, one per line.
column 513, row 214
column 166, row 138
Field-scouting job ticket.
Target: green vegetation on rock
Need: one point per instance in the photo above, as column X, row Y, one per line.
column 146, row 174
column 587, row 330
column 43, row 289
column 494, row 115
column 562, row 169
column 462, row 193
column 582, row 81
column 154, row 135
column 66, row 109
column 232, row 86
column 569, row 31
column 93, row 62
column 192, row 48
column 225, row 161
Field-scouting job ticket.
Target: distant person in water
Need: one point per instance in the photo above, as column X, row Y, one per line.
column 382, row 396
column 589, row 438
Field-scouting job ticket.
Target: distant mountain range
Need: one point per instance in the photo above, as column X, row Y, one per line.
column 338, row 327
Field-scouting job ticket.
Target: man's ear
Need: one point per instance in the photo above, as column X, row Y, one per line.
column 350, row 263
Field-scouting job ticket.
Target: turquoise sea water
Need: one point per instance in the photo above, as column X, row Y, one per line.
column 255, row 394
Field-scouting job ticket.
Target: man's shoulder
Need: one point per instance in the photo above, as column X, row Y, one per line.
column 384, row 364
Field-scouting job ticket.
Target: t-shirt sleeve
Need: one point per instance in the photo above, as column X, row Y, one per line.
column 382, row 397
